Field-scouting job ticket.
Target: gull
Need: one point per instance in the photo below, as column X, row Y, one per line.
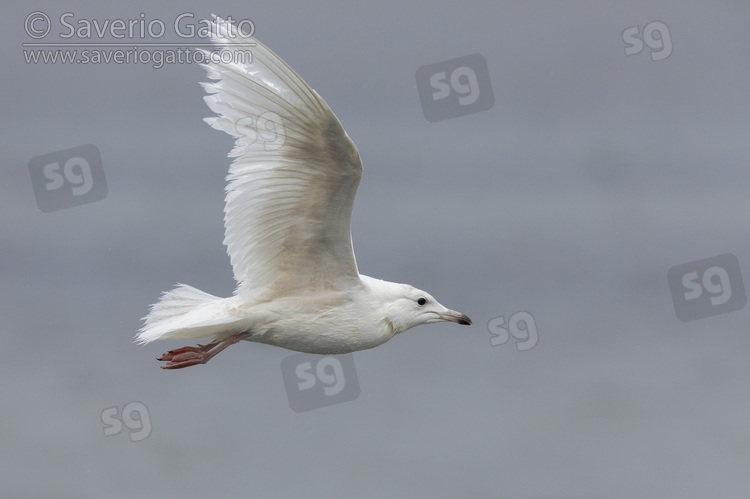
column 287, row 220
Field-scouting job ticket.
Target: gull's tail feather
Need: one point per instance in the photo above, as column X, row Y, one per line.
column 185, row 312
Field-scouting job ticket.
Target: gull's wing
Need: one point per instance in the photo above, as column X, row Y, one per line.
column 292, row 184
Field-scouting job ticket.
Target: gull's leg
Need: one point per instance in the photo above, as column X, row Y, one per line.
column 192, row 356
column 177, row 351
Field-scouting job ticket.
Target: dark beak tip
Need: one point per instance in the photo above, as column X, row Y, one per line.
column 457, row 317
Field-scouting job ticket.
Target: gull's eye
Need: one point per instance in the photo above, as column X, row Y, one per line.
column 421, row 301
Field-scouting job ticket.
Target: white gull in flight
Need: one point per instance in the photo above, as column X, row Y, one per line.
column 287, row 218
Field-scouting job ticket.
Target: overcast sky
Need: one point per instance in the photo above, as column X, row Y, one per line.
column 566, row 198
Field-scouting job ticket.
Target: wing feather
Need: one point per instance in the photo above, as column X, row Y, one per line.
column 292, row 183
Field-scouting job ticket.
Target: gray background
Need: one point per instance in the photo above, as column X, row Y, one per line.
column 591, row 176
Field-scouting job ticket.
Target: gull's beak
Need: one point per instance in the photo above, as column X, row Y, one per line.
column 457, row 317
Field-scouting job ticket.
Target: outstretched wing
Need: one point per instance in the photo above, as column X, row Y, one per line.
column 292, row 185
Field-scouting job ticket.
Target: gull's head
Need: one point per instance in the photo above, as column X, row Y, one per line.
column 406, row 307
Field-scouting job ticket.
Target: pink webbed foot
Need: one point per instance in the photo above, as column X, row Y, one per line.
column 192, row 356
column 179, row 351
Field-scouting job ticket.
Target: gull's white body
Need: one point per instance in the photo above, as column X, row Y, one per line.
column 287, row 218
column 337, row 321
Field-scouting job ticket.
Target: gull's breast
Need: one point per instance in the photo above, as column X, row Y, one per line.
column 326, row 335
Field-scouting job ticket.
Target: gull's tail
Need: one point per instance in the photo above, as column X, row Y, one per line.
column 185, row 312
